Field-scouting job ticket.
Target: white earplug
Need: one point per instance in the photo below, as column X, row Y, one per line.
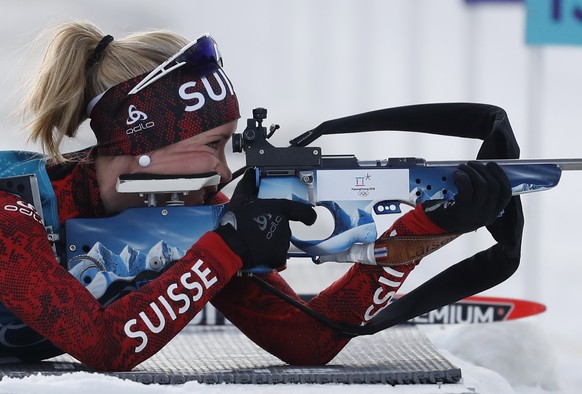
column 144, row 161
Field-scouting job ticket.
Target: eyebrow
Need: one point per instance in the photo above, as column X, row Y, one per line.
column 220, row 134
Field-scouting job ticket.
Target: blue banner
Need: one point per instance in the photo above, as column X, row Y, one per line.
column 554, row 22
column 492, row 1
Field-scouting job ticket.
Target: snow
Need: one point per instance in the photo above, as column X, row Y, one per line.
column 92, row 384
column 365, row 56
column 498, row 358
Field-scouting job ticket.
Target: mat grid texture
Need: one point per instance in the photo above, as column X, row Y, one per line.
column 221, row 354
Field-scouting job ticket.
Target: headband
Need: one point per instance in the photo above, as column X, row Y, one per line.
column 188, row 101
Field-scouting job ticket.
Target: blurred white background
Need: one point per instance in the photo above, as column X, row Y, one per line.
column 310, row 61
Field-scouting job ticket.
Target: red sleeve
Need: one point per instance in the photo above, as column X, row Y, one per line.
column 414, row 222
column 117, row 337
column 354, row 299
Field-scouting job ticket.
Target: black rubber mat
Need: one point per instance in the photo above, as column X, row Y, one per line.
column 221, row 354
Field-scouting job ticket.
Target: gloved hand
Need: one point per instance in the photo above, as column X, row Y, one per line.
column 483, row 191
column 258, row 229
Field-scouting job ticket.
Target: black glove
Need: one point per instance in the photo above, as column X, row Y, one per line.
column 483, row 191
column 258, row 229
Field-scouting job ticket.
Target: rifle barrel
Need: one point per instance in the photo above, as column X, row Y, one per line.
column 574, row 164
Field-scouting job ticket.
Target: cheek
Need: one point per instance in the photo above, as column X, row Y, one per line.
column 200, row 162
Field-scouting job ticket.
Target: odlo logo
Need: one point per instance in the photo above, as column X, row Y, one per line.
column 266, row 221
column 133, row 116
column 25, row 209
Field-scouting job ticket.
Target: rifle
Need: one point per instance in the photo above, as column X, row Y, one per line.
column 352, row 190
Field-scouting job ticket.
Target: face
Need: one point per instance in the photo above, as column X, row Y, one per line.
column 200, row 154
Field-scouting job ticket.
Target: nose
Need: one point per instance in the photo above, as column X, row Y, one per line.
column 224, row 172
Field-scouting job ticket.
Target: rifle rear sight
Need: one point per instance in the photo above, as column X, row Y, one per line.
column 260, row 153
column 254, row 132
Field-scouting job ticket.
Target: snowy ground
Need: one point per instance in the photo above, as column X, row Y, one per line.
column 370, row 55
column 501, row 358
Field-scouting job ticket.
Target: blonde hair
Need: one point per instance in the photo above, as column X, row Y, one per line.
column 69, row 76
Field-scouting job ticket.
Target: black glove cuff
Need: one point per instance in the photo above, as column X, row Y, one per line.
column 234, row 242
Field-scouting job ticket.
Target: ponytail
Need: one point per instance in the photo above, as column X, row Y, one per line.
column 72, row 73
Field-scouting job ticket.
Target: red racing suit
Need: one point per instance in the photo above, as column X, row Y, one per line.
column 59, row 315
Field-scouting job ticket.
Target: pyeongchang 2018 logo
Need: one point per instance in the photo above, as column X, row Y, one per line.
column 361, row 186
column 133, row 116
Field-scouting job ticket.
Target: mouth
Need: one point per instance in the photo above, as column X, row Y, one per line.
column 201, row 197
column 208, row 194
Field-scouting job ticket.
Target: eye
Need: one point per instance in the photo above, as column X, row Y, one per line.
column 214, row 144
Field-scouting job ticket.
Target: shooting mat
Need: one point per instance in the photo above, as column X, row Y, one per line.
column 221, row 354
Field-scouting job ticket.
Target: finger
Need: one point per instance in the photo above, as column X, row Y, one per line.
column 504, row 185
column 487, row 189
column 298, row 211
column 498, row 189
column 493, row 184
column 464, row 186
column 246, row 189
column 480, row 180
